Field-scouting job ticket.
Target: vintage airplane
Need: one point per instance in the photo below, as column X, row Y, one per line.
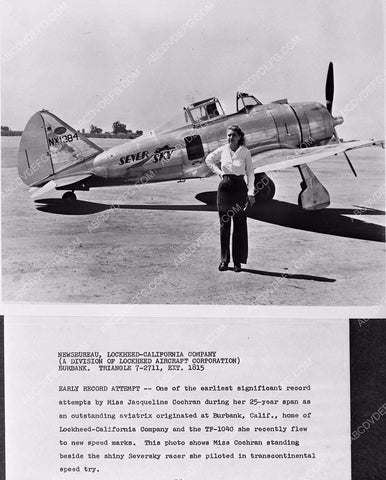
column 279, row 135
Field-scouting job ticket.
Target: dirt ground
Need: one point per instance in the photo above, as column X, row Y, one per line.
column 161, row 246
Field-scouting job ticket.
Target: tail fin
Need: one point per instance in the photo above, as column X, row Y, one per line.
column 49, row 146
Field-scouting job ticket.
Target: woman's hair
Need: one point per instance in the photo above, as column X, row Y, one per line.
column 239, row 132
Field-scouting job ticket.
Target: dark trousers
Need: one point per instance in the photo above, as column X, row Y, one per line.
column 231, row 200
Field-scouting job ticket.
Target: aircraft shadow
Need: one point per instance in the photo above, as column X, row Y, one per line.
column 61, row 207
column 81, row 207
column 329, row 221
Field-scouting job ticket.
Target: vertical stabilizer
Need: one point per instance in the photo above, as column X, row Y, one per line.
column 49, row 146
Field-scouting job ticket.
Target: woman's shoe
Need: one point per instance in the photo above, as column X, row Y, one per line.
column 223, row 266
column 237, row 267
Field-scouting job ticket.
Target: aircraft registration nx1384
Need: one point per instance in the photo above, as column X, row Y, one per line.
column 279, row 135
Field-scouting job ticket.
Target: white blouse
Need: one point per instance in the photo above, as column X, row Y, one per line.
column 236, row 163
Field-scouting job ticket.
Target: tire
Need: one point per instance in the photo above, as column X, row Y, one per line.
column 264, row 187
column 69, row 197
column 302, row 187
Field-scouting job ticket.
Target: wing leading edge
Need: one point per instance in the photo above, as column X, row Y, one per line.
column 280, row 159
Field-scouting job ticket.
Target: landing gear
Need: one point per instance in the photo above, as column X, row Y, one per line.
column 264, row 187
column 313, row 196
column 69, row 197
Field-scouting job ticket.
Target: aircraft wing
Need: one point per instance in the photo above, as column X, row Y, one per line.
column 280, row 159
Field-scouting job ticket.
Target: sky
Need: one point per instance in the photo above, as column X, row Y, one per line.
column 149, row 58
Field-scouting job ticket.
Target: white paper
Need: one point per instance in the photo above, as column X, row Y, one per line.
column 307, row 360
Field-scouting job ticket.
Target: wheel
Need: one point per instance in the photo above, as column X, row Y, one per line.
column 69, row 197
column 264, row 187
column 303, row 186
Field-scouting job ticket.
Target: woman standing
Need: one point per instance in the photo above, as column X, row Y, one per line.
column 232, row 162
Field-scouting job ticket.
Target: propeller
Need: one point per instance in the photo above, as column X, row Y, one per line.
column 329, row 100
column 330, row 87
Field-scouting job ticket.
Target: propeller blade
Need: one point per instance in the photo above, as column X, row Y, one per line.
column 330, row 87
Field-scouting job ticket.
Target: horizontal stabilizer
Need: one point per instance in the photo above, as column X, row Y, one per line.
column 61, row 182
column 36, row 191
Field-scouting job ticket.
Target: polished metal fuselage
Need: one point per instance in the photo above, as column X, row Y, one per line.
column 179, row 154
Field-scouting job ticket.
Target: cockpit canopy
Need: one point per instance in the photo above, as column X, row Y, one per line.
column 204, row 110
column 245, row 102
column 211, row 109
column 208, row 111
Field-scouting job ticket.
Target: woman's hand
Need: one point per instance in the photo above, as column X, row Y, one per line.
column 251, row 199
